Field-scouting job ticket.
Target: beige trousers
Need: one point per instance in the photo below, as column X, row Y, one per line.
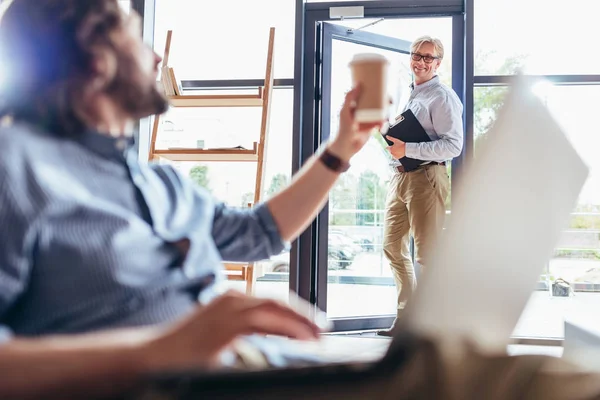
column 415, row 203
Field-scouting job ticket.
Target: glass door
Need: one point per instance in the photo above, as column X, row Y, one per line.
column 353, row 277
column 354, row 282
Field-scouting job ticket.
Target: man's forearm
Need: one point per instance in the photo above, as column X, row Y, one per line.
column 442, row 149
column 296, row 206
column 82, row 366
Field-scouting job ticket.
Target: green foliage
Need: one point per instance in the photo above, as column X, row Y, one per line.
column 578, row 222
column 587, row 254
column 586, row 221
column 582, row 223
column 371, row 196
column 343, row 197
column 510, row 66
column 367, row 192
column 488, row 100
column 199, row 174
column 278, row 182
column 247, row 198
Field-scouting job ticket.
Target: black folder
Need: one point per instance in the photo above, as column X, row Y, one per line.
column 409, row 130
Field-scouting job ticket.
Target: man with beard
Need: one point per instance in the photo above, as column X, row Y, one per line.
column 90, row 239
column 102, row 259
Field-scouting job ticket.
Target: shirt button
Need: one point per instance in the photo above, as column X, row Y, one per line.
column 134, row 303
column 121, row 144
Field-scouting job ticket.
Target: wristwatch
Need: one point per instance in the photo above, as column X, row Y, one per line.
column 333, row 162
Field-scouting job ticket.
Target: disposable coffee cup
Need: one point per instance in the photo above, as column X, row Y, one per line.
column 370, row 71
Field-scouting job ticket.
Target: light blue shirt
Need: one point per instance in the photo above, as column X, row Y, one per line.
column 439, row 110
column 91, row 239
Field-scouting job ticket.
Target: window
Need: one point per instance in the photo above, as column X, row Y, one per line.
column 229, row 127
column 558, row 50
column 210, row 42
column 226, row 39
column 487, row 101
column 533, row 34
column 576, row 258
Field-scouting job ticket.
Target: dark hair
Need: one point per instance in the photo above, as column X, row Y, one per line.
column 47, row 51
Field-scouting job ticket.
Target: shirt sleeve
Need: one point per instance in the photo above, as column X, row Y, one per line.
column 238, row 234
column 246, row 235
column 446, row 115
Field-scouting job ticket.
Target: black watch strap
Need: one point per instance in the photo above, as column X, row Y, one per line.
column 333, row 162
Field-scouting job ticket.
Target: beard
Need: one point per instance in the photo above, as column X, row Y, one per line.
column 137, row 94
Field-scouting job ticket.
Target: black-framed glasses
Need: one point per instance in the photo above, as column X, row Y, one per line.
column 427, row 59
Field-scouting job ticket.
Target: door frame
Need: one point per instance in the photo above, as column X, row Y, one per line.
column 329, row 33
column 305, row 250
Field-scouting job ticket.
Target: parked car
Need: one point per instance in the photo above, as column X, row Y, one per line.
column 359, row 242
column 280, row 263
column 340, row 255
column 342, row 240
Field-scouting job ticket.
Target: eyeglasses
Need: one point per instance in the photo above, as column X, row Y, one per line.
column 427, row 59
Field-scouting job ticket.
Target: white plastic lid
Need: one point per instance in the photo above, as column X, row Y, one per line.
column 364, row 57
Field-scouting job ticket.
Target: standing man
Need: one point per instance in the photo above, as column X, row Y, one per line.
column 416, row 199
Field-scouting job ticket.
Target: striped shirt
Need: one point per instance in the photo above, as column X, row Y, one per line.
column 92, row 239
column 439, row 110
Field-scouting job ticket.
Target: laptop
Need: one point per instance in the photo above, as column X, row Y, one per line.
column 507, row 215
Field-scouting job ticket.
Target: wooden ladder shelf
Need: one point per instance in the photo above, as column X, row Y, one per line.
column 200, row 155
column 225, row 100
column 262, row 98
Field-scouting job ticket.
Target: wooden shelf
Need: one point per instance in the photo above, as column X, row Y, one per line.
column 209, row 155
column 225, row 100
column 237, row 271
column 261, row 98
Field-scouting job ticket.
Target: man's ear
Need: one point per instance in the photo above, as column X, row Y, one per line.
column 104, row 68
column 438, row 62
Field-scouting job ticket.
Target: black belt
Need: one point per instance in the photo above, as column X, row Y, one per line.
column 400, row 168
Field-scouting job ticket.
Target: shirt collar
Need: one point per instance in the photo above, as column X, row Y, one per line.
column 105, row 145
column 422, row 86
